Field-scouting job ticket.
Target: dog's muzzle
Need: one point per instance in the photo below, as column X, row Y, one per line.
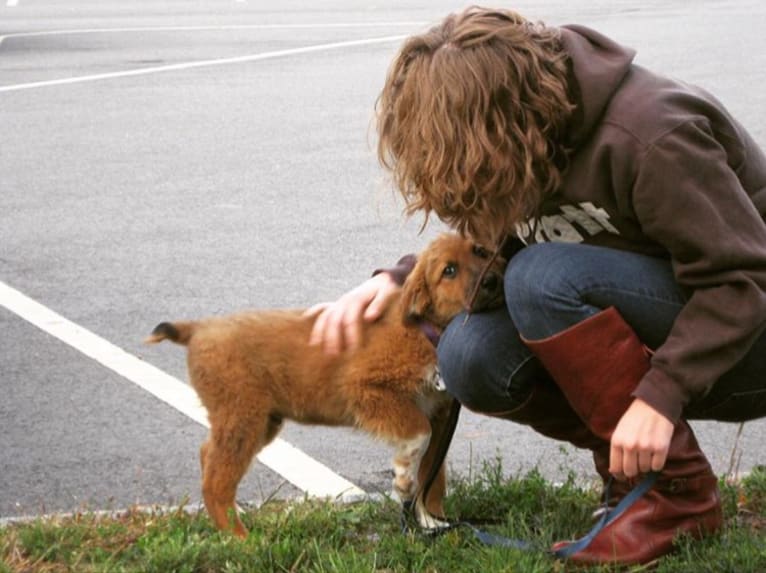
column 490, row 293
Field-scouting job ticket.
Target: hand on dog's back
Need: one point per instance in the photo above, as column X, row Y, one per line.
column 338, row 325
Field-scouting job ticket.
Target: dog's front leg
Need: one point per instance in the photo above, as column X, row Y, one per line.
column 406, row 464
column 407, row 461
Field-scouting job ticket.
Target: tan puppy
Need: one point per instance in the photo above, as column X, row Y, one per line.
column 254, row 370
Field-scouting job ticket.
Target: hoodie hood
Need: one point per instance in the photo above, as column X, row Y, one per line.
column 599, row 66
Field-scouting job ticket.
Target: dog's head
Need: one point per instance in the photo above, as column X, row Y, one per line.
column 451, row 275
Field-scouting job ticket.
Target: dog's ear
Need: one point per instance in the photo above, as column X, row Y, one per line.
column 416, row 297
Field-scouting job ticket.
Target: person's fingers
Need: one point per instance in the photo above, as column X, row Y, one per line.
column 316, row 309
column 615, row 462
column 640, row 441
column 352, row 328
column 316, row 338
column 381, row 299
column 343, row 329
column 327, row 330
column 376, row 307
column 333, row 331
column 626, row 462
column 658, row 460
column 645, row 458
column 629, row 463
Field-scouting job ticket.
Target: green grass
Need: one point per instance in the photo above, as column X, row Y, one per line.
column 316, row 536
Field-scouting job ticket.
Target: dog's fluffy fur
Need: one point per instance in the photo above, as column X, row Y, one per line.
column 254, row 370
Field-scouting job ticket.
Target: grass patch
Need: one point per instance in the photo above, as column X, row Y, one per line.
column 318, row 536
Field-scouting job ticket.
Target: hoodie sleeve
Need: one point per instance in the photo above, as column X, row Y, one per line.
column 690, row 200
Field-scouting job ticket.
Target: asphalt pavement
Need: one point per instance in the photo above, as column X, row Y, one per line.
column 176, row 159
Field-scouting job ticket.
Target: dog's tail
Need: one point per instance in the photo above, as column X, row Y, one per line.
column 178, row 332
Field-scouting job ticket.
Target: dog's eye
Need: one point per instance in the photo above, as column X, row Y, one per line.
column 450, row 271
column 481, row 252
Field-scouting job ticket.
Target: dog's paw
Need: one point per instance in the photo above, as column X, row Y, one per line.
column 428, row 521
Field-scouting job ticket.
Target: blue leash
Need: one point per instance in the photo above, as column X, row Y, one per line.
column 609, row 516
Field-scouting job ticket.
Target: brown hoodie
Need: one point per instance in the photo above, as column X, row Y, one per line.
column 659, row 167
column 663, row 169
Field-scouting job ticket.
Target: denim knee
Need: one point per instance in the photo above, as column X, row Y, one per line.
column 477, row 360
column 531, row 278
column 552, row 286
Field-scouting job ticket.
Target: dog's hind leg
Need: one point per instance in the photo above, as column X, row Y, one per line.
column 225, row 458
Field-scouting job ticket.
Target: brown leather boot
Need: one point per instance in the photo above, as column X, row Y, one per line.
column 597, row 364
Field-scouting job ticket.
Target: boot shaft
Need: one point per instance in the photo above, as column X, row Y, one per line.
column 597, row 364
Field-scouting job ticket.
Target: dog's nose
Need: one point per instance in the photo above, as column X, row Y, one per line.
column 489, row 283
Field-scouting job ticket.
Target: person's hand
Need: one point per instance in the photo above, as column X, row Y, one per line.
column 338, row 325
column 640, row 441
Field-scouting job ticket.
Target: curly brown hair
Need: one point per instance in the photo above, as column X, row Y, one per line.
column 471, row 120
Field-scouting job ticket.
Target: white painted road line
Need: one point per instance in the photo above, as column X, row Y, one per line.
column 204, row 63
column 221, row 28
column 312, row 477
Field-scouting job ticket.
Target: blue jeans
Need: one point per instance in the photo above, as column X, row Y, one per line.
column 552, row 286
